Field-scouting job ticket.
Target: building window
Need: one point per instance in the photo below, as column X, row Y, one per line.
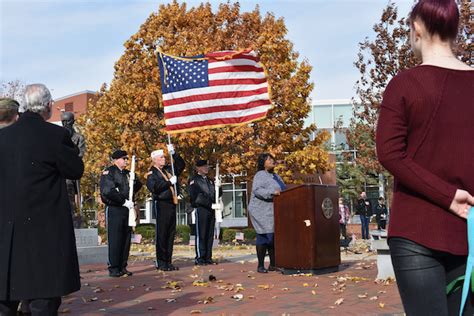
column 235, row 200
column 69, row 107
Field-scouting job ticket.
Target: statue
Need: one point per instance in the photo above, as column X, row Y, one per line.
column 73, row 186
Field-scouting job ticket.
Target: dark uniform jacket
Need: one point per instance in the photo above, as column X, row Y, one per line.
column 202, row 192
column 114, row 187
column 37, row 242
column 381, row 211
column 364, row 208
column 158, row 185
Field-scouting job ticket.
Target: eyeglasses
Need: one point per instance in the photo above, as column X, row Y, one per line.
column 125, row 158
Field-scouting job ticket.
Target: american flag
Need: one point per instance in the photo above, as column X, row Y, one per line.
column 213, row 90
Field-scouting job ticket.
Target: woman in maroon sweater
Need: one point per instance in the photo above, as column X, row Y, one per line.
column 425, row 138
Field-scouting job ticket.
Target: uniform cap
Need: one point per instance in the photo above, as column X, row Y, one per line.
column 119, row 154
column 157, row 153
column 201, row 162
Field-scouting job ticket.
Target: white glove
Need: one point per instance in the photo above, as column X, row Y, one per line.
column 218, row 182
column 170, row 149
column 128, row 204
column 217, row 207
column 173, row 180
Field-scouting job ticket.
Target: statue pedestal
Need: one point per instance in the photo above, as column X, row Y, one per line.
column 88, row 249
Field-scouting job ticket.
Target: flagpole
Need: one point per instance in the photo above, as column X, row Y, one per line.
column 172, row 164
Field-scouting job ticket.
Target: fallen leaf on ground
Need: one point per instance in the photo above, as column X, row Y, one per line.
column 362, row 295
column 264, row 286
column 339, row 301
column 305, row 284
column 285, row 289
column 170, row 300
column 150, row 308
column 374, row 298
column 207, row 300
column 200, row 283
column 313, row 292
column 381, row 305
column 65, row 311
column 195, row 311
column 108, row 300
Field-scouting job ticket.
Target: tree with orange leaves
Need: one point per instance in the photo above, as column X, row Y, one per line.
column 129, row 113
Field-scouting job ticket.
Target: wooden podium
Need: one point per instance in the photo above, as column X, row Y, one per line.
column 307, row 229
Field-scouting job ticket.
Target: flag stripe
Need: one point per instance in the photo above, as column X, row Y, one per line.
column 237, row 75
column 214, row 89
column 253, row 58
column 231, row 54
column 221, row 108
column 233, row 62
column 231, row 68
column 214, row 96
column 225, row 82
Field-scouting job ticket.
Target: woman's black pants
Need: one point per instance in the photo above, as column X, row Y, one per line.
column 422, row 276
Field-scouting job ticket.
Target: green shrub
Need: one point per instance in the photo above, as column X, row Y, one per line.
column 146, row 230
column 249, row 234
column 183, row 232
column 228, row 234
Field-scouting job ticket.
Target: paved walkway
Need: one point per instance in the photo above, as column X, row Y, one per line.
column 236, row 290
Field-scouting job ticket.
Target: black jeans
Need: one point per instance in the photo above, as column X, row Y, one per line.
column 422, row 276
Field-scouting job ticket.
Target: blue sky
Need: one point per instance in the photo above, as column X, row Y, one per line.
column 72, row 45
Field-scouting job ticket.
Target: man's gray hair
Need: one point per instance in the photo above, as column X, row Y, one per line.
column 37, row 99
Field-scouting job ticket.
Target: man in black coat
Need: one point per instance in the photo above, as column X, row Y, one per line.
column 114, row 192
column 203, row 196
column 161, row 182
column 38, row 257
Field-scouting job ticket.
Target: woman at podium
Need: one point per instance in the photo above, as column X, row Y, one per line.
column 266, row 184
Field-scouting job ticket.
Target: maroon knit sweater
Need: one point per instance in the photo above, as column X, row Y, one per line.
column 425, row 138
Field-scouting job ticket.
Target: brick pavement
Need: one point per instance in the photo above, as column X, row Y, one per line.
column 149, row 292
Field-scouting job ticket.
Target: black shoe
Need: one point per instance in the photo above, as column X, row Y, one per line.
column 272, row 268
column 200, row 263
column 210, row 261
column 173, row 267
column 262, row 270
column 167, row 268
column 115, row 274
column 125, row 271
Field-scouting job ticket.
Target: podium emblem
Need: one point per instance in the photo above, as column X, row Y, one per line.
column 328, row 208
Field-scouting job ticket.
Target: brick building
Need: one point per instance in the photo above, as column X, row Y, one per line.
column 76, row 103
